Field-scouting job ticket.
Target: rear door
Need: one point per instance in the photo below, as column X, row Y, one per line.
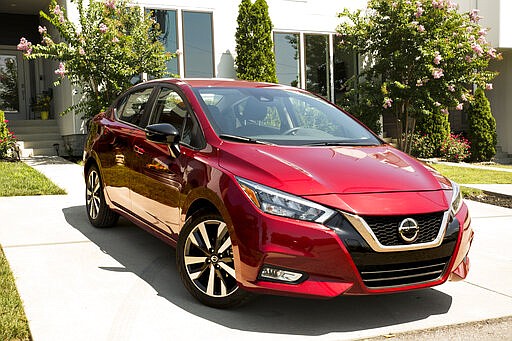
column 116, row 151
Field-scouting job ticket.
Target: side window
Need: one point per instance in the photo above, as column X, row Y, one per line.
column 132, row 109
column 171, row 108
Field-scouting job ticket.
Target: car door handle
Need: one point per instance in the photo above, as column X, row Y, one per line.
column 138, row 150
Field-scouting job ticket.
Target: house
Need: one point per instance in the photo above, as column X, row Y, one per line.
column 204, row 34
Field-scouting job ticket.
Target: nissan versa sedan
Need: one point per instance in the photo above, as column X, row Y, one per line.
column 264, row 188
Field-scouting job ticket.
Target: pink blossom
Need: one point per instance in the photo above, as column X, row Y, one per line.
column 482, row 40
column 110, row 4
column 473, row 15
column 437, row 58
column 459, row 106
column 453, row 5
column 468, row 59
column 59, row 12
column 387, row 103
column 437, row 73
column 451, row 88
column 482, row 32
column 421, row 28
column 445, row 111
column 394, row 4
column 419, row 83
column 81, row 51
column 437, row 104
column 25, row 46
column 488, row 86
column 103, row 28
column 419, row 12
column 492, row 52
column 464, row 98
column 477, row 48
column 179, row 52
column 6, row 121
column 42, row 29
column 61, row 71
column 408, row 2
column 115, row 40
column 438, row 4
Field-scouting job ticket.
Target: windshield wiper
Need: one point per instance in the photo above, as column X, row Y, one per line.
column 343, row 143
column 242, row 139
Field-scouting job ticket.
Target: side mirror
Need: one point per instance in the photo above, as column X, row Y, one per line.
column 164, row 133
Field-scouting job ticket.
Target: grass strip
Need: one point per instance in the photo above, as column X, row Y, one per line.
column 464, row 175
column 13, row 322
column 19, row 179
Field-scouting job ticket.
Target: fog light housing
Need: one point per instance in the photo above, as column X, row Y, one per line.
column 270, row 273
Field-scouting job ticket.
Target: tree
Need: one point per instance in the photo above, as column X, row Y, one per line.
column 254, row 48
column 421, row 57
column 112, row 44
column 482, row 128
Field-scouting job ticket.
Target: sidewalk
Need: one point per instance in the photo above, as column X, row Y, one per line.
column 82, row 283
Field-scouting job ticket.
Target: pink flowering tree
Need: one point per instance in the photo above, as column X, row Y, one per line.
column 110, row 44
column 421, row 58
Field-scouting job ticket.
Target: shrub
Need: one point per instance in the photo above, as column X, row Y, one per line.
column 254, row 47
column 7, row 139
column 482, row 128
column 435, row 127
column 422, row 146
column 456, row 148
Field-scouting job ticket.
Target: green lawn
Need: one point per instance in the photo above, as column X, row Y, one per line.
column 13, row 323
column 17, row 179
column 464, row 175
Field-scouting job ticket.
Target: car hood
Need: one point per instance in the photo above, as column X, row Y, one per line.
column 306, row 170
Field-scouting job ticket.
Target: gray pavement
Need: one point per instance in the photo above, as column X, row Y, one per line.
column 82, row 283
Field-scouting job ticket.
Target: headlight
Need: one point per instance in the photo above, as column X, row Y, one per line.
column 279, row 203
column 456, row 203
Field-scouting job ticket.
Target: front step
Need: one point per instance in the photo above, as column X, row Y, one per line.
column 38, row 137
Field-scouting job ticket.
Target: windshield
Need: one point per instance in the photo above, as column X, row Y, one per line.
column 279, row 116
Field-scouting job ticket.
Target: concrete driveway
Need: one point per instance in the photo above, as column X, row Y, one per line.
column 82, row 283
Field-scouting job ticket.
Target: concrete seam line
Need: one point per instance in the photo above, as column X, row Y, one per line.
column 491, row 290
column 44, row 244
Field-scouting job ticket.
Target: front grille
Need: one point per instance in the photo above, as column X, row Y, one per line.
column 381, row 276
column 385, row 228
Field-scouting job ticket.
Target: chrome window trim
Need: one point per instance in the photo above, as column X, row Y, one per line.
column 366, row 232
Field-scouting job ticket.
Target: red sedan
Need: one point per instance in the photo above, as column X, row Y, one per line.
column 269, row 189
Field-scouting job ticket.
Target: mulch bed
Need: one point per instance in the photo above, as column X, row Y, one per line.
column 492, row 199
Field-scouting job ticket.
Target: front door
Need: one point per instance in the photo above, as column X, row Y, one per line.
column 13, row 91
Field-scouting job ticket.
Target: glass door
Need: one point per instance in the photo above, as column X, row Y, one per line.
column 12, row 85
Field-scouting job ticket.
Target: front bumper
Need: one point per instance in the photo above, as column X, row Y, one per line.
column 335, row 258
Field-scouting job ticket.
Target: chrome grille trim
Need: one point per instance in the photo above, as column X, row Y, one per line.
column 406, row 274
column 366, row 232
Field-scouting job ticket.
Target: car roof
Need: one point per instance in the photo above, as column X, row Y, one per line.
column 219, row 83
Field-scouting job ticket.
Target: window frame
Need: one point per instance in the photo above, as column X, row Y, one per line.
column 149, row 104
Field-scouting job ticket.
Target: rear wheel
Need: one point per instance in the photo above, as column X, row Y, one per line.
column 98, row 212
column 205, row 261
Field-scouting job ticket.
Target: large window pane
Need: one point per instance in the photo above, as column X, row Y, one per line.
column 166, row 20
column 345, row 67
column 286, row 49
column 317, row 64
column 198, row 44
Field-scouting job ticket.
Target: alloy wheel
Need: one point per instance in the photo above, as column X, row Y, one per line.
column 208, row 259
column 93, row 194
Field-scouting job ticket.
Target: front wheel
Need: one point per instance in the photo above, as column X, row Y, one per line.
column 205, row 261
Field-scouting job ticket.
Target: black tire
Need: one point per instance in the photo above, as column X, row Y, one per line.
column 204, row 257
column 98, row 212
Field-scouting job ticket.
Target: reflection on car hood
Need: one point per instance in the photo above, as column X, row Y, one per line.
column 330, row 170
